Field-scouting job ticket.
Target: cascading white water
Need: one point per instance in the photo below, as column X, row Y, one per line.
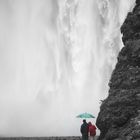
column 56, row 58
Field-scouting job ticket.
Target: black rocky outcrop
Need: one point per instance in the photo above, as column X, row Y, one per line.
column 119, row 116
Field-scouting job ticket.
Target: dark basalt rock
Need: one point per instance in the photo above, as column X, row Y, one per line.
column 119, row 116
column 138, row 1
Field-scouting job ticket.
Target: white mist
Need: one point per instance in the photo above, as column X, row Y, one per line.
column 56, row 58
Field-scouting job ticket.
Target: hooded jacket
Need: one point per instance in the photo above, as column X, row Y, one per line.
column 92, row 129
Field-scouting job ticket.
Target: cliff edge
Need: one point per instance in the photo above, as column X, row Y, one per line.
column 119, row 116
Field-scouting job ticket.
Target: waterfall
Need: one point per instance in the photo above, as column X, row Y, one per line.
column 56, row 59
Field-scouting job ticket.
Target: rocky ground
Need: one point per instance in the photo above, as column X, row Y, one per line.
column 42, row 138
column 119, row 116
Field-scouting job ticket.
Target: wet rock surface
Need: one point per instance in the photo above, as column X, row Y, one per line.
column 45, row 138
column 119, row 116
column 41, row 138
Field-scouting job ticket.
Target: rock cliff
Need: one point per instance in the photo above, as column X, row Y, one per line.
column 119, row 116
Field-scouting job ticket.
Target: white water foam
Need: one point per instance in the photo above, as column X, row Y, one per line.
column 56, row 59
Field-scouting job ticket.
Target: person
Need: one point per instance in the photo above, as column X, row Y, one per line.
column 91, row 131
column 84, row 130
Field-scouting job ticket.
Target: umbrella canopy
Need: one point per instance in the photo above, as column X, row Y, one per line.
column 85, row 115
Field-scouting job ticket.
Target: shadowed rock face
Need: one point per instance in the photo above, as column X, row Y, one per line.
column 119, row 116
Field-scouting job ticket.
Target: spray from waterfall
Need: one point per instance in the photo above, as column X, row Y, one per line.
column 56, row 59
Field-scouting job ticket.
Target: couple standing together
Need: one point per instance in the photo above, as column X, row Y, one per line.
column 88, row 130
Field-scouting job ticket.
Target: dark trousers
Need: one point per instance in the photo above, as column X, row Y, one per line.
column 84, row 137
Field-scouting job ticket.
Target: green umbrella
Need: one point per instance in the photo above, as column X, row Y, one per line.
column 85, row 115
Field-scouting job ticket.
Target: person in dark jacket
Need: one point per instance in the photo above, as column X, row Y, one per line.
column 84, row 130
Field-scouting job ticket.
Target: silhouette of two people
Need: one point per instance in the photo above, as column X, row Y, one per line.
column 88, row 130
